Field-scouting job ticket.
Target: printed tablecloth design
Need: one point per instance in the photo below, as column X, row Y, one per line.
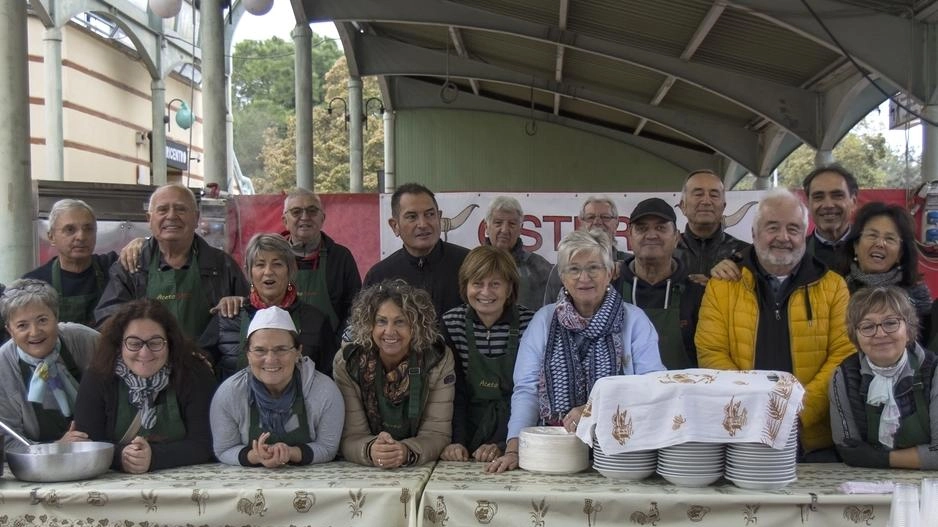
column 645, row 412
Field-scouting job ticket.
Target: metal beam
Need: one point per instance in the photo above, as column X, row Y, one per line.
column 791, row 108
column 383, row 56
column 456, row 36
column 847, row 103
column 558, row 63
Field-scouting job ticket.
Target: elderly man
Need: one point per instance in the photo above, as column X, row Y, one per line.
column 656, row 281
column 597, row 212
column 831, row 192
column 77, row 274
column 327, row 276
column 176, row 266
column 503, row 230
column 425, row 261
column 704, row 242
column 787, row 312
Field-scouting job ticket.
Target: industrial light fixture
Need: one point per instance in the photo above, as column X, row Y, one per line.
column 344, row 109
column 380, row 108
column 258, row 7
column 165, row 8
column 184, row 116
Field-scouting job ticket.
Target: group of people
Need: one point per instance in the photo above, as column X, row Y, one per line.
column 448, row 353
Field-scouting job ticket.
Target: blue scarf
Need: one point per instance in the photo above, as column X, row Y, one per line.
column 51, row 385
column 274, row 412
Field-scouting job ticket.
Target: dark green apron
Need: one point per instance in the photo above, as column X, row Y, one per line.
column 312, row 288
column 245, row 325
column 489, row 382
column 78, row 308
column 913, row 429
column 169, row 425
column 300, row 436
column 180, row 290
column 52, row 424
column 667, row 322
column 401, row 420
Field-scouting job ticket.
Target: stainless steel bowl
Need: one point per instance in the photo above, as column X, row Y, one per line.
column 61, row 461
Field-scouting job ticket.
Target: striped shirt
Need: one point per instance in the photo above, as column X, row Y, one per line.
column 491, row 342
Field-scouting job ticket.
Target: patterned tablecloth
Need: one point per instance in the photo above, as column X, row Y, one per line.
column 333, row 494
column 460, row 494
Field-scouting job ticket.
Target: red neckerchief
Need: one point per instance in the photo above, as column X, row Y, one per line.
column 313, row 257
column 287, row 301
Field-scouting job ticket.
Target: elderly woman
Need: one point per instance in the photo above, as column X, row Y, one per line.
column 148, row 391
column 588, row 334
column 397, row 378
column 881, row 251
column 77, row 274
column 279, row 409
column 884, row 398
column 484, row 334
column 41, row 366
column 271, row 268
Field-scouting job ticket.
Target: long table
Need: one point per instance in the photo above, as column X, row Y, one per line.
column 462, row 494
column 332, row 494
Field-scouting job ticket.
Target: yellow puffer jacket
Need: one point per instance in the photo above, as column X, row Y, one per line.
column 728, row 326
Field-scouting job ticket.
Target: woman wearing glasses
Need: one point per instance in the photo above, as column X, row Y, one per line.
column 148, row 391
column 884, row 399
column 279, row 409
column 271, row 268
column 588, row 334
column 881, row 251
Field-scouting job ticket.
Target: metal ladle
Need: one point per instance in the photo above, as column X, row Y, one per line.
column 29, row 444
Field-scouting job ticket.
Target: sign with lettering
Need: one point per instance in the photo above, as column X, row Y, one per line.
column 177, row 155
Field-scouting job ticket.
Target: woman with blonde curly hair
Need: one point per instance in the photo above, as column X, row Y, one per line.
column 397, row 379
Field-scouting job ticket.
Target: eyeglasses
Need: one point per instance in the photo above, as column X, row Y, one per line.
column 590, row 218
column 889, row 325
column 297, row 212
column 591, row 271
column 873, row 237
column 137, row 344
column 279, row 351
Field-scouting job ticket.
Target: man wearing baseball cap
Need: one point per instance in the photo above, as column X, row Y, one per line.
column 656, row 281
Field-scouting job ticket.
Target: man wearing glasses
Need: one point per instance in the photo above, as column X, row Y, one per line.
column 327, row 276
column 787, row 312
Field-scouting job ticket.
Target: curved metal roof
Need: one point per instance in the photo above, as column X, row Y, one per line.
column 748, row 80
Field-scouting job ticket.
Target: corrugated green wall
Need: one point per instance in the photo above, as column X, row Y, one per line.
column 452, row 150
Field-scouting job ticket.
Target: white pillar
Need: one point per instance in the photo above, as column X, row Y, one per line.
column 55, row 141
column 214, row 104
column 17, row 210
column 763, row 183
column 355, row 134
column 823, row 158
column 158, row 134
column 930, row 145
column 303, row 68
column 389, row 158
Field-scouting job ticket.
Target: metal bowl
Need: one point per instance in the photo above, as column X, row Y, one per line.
column 54, row 462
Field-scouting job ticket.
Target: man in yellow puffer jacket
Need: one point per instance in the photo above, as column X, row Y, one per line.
column 787, row 312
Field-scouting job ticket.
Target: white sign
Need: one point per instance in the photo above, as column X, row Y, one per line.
column 550, row 216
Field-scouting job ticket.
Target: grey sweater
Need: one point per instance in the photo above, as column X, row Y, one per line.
column 15, row 410
column 231, row 416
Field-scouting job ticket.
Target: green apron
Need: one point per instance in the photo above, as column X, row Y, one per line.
column 913, row 429
column 667, row 322
column 52, row 424
column 401, row 420
column 180, row 290
column 489, row 383
column 169, row 425
column 78, row 308
column 299, row 436
column 243, row 338
column 311, row 287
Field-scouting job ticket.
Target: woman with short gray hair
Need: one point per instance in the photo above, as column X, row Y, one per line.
column 588, row 334
column 41, row 365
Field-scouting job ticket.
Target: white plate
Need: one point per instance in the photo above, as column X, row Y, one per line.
column 632, row 475
column 692, row 481
column 761, row 485
column 690, row 472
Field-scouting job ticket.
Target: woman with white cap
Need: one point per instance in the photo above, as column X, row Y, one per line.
column 279, row 409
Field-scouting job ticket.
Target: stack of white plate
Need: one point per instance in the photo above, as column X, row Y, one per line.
column 551, row 449
column 691, row 464
column 627, row 465
column 758, row 467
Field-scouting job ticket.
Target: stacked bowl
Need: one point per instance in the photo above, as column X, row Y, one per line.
column 755, row 466
column 627, row 465
column 691, row 464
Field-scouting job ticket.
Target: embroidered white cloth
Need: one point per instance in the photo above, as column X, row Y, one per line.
column 656, row 410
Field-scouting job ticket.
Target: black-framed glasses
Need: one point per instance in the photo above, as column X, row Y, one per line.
column 279, row 351
column 137, row 344
column 297, row 212
column 889, row 325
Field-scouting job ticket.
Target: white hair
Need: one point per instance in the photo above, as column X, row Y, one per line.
column 599, row 199
column 778, row 195
column 503, row 204
column 576, row 242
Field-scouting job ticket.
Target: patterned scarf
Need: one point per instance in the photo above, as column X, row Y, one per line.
column 288, row 298
column 890, row 277
column 274, row 412
column 396, row 386
column 143, row 391
column 881, row 393
column 51, row 385
column 579, row 351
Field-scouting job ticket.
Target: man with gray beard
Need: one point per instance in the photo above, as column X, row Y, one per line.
column 787, row 312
